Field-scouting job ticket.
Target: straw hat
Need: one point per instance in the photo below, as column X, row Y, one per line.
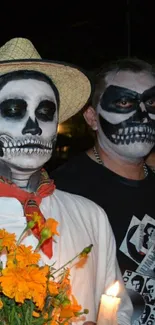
column 73, row 86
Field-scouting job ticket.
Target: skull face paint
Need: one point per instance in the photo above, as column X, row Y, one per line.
column 28, row 123
column 126, row 120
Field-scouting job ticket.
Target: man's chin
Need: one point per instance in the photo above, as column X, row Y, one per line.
column 135, row 150
column 26, row 163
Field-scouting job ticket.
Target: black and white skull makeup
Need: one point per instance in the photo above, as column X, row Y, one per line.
column 28, row 122
column 126, row 115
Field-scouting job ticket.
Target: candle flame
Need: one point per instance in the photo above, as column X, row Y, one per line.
column 113, row 290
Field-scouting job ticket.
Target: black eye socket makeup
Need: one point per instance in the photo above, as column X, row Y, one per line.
column 148, row 98
column 148, row 94
column 119, row 99
column 45, row 110
column 122, row 100
column 13, row 108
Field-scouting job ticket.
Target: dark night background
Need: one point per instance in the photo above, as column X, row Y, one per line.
column 84, row 33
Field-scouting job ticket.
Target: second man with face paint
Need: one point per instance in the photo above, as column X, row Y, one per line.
column 113, row 173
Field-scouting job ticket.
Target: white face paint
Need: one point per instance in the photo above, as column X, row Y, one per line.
column 126, row 129
column 28, row 123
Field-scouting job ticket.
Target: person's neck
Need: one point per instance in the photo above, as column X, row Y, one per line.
column 27, row 179
column 134, row 171
column 21, row 178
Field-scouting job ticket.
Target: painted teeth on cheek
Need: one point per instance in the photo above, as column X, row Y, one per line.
column 19, row 143
column 27, row 151
column 15, row 147
column 134, row 134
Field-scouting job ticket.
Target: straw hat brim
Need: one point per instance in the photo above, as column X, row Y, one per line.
column 73, row 85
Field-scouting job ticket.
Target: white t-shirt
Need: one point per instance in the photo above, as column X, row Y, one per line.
column 81, row 223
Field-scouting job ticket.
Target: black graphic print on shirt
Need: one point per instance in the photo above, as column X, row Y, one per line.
column 139, row 245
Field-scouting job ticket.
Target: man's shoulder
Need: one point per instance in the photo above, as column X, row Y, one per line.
column 78, row 215
column 69, row 167
column 77, row 204
column 67, row 197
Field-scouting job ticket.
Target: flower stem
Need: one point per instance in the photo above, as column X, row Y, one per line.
column 62, row 267
column 20, row 237
column 39, row 244
column 85, row 252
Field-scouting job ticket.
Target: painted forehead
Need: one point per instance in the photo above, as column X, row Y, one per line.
column 28, row 89
column 138, row 82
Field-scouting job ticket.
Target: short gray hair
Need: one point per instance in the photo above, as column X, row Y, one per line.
column 130, row 64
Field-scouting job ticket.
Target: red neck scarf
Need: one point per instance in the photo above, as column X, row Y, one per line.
column 31, row 202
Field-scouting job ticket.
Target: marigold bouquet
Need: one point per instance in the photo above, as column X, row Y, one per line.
column 34, row 294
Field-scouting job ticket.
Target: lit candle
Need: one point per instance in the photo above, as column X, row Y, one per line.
column 109, row 306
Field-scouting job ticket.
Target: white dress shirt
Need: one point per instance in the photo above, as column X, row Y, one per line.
column 81, row 223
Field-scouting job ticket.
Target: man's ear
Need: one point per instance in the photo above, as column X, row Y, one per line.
column 90, row 117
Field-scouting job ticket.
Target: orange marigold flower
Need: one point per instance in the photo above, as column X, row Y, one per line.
column 70, row 309
column 36, row 218
column 7, row 240
column 53, row 288
column 14, row 284
column 37, row 284
column 66, row 313
column 75, row 306
column 51, row 227
column 64, row 282
column 23, row 256
column 25, row 283
column 81, row 262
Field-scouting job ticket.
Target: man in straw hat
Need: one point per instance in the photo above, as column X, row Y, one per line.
column 34, row 95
